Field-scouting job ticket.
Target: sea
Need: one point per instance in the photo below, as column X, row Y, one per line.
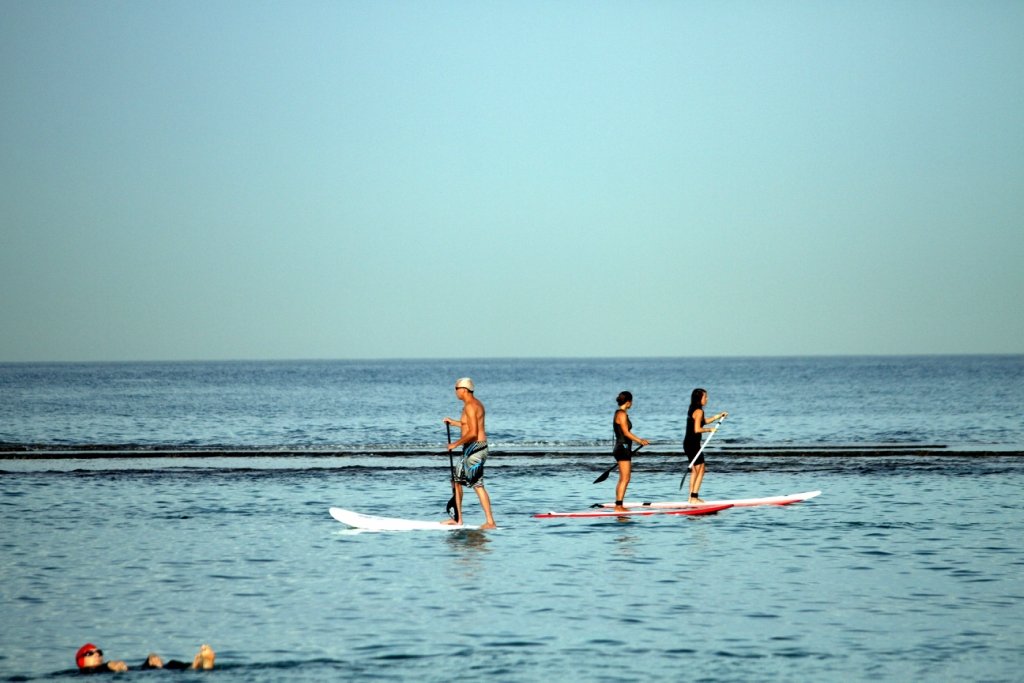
column 153, row 507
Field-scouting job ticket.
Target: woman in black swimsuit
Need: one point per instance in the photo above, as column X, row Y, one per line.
column 624, row 440
column 695, row 426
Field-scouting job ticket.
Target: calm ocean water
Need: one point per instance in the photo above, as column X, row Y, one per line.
column 908, row 567
column 973, row 402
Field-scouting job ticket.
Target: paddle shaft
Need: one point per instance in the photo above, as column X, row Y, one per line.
column 706, row 442
column 452, row 504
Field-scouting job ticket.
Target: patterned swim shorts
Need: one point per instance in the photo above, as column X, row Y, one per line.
column 470, row 470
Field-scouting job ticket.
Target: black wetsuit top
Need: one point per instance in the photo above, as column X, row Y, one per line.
column 623, row 446
column 103, row 668
column 691, row 442
column 172, row 664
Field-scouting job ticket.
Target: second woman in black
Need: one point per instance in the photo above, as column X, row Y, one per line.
column 695, row 426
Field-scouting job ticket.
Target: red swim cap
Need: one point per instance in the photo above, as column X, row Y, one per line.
column 80, row 655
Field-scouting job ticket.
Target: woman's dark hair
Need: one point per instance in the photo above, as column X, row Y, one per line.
column 624, row 398
column 695, row 398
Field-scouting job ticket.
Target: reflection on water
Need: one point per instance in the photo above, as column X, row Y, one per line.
column 468, row 548
column 625, row 544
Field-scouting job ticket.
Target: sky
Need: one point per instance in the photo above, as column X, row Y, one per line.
column 293, row 180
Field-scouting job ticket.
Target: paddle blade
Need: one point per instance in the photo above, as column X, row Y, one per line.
column 453, row 511
column 604, row 475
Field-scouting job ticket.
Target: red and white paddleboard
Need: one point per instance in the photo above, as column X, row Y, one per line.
column 705, row 509
column 740, row 502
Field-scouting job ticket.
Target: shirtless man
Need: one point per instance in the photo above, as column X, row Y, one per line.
column 470, row 470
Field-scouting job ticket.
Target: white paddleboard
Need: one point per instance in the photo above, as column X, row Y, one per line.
column 788, row 499
column 358, row 520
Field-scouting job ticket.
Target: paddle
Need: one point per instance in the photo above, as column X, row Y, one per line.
column 604, row 475
column 452, row 508
column 706, row 442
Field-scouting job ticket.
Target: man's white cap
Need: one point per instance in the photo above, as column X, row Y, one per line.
column 464, row 383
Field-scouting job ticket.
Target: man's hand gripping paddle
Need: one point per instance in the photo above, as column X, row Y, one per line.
column 706, row 442
column 452, row 508
column 604, row 475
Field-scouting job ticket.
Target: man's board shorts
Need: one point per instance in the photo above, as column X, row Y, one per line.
column 470, row 470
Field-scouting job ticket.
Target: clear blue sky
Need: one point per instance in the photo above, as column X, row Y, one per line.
column 248, row 180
